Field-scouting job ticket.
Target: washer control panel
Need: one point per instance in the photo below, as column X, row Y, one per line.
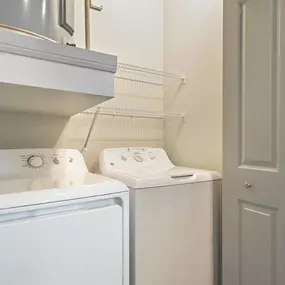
column 40, row 162
column 135, row 158
column 134, row 154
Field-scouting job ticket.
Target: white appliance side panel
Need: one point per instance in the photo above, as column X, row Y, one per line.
column 77, row 244
column 172, row 235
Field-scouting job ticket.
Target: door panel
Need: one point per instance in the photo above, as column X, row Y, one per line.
column 257, row 244
column 254, row 142
column 258, row 83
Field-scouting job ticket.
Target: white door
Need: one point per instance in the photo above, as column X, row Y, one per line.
column 254, row 143
column 71, row 243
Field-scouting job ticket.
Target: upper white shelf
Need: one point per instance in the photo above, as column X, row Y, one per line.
column 146, row 75
column 49, row 78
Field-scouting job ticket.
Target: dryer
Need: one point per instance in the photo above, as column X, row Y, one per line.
column 175, row 217
column 60, row 224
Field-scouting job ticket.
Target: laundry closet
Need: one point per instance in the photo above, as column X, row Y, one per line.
column 117, row 97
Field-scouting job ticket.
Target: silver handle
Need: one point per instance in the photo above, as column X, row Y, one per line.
column 247, row 185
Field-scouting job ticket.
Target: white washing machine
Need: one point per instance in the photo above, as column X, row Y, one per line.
column 175, row 218
column 60, row 224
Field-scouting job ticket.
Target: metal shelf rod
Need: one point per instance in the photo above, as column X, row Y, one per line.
column 139, row 81
column 146, row 75
column 118, row 112
column 137, row 69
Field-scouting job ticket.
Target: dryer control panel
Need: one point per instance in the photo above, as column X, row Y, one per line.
column 24, row 163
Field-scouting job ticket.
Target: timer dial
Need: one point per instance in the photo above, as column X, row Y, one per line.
column 35, row 161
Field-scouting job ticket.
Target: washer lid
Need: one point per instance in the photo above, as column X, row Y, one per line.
column 173, row 176
column 148, row 167
column 27, row 191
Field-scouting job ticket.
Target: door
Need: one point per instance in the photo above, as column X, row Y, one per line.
column 254, row 143
column 75, row 242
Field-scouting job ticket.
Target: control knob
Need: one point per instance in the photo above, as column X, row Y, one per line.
column 35, row 161
column 124, row 158
column 138, row 157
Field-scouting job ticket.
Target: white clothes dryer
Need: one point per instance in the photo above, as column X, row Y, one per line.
column 175, row 217
column 60, row 224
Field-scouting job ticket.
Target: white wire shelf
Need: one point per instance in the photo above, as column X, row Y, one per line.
column 138, row 81
column 146, row 75
column 119, row 112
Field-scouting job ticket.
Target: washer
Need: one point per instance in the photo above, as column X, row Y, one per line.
column 174, row 217
column 60, row 224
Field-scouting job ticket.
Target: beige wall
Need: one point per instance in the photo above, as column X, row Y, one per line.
column 133, row 30
column 193, row 45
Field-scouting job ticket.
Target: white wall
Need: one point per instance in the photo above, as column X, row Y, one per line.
column 193, row 45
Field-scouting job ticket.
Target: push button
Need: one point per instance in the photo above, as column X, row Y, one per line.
column 138, row 158
column 124, row 158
